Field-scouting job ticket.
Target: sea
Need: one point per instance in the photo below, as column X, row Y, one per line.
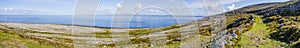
column 137, row 21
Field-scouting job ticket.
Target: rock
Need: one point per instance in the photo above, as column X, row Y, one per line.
column 251, row 17
column 177, row 39
column 264, row 38
column 234, row 35
column 22, row 46
column 238, row 22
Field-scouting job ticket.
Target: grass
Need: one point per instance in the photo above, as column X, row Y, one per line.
column 173, row 35
column 143, row 42
column 140, row 32
column 146, row 41
column 170, row 27
column 140, row 40
column 147, row 31
column 14, row 40
column 107, row 46
column 286, row 26
column 231, row 18
column 175, row 44
column 106, row 34
column 31, row 31
column 205, row 30
column 103, row 35
column 257, row 37
column 40, row 43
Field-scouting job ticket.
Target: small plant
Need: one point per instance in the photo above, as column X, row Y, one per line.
column 140, row 32
column 106, row 34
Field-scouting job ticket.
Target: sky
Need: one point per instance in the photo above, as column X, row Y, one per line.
column 108, row 7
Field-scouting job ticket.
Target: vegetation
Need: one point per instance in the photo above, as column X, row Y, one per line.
column 271, row 31
column 205, row 30
column 276, row 25
column 106, row 34
column 257, row 36
column 287, row 29
column 14, row 40
column 147, row 31
column 173, row 36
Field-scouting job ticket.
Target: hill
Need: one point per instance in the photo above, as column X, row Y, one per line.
column 263, row 25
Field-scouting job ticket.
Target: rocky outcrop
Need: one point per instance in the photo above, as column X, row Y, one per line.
column 233, row 31
column 291, row 8
column 287, row 29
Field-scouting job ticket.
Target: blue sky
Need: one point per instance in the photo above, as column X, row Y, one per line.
column 107, row 7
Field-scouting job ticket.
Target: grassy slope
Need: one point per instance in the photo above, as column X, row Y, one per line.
column 258, row 37
column 13, row 40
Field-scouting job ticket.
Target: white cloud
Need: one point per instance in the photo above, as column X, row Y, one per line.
column 7, row 9
column 229, row 1
column 211, row 3
column 231, row 7
column 45, row 1
column 153, row 12
column 105, row 12
column 24, row 11
column 13, row 11
column 118, row 5
column 211, row 7
column 139, row 6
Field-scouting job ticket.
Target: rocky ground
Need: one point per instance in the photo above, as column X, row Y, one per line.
column 103, row 37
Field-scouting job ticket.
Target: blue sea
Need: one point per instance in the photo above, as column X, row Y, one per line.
column 140, row 21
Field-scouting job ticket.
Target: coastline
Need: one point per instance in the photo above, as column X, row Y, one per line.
column 75, row 25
